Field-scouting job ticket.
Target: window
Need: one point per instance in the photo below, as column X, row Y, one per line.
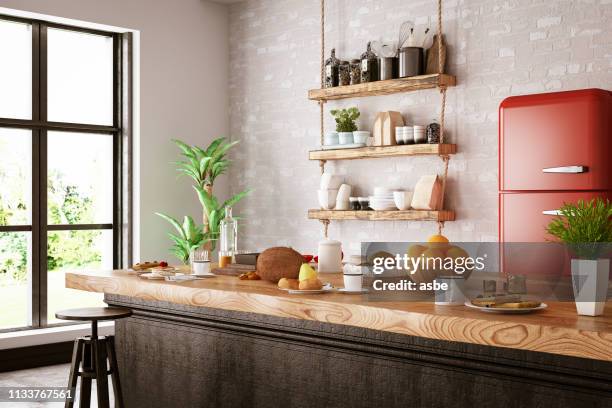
column 64, row 167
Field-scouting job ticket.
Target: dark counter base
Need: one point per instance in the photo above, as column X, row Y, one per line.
column 174, row 355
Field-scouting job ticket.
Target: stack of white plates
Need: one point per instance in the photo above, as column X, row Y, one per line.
column 382, row 200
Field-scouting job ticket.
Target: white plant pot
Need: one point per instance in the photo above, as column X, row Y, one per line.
column 346, row 137
column 590, row 283
column 331, row 138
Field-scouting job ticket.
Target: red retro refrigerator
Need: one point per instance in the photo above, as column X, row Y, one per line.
column 553, row 148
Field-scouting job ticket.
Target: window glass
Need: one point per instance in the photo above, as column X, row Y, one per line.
column 15, row 70
column 15, row 176
column 79, row 178
column 80, row 77
column 15, row 279
column 72, row 251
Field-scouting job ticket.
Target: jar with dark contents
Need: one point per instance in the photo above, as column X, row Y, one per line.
column 364, row 203
column 433, row 132
column 369, row 65
column 344, row 73
column 354, row 203
column 331, row 70
column 355, row 72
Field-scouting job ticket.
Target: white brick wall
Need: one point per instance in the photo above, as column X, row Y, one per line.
column 496, row 49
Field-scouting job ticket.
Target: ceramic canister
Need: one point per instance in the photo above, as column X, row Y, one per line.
column 330, row 256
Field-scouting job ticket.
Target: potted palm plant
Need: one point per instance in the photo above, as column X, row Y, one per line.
column 586, row 229
column 345, row 123
column 203, row 166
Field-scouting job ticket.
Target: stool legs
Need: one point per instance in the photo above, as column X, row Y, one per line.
column 92, row 354
column 74, row 370
column 99, row 348
column 87, row 374
column 112, row 359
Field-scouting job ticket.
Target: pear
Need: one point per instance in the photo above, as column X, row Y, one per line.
column 307, row 272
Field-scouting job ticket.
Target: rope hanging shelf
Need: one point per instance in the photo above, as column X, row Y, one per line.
column 440, row 81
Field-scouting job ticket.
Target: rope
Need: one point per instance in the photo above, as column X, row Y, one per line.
column 440, row 65
column 445, row 158
column 325, row 227
column 322, row 102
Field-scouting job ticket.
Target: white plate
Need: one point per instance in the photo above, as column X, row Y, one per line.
column 151, row 276
column 343, row 146
column 327, row 288
column 506, row 310
column 353, row 292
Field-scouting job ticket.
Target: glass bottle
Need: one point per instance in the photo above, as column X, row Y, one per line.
column 355, row 72
column 331, row 70
column 369, row 65
column 433, row 132
column 344, row 73
column 228, row 230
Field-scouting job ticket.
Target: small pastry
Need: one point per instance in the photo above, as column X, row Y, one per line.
column 311, row 284
column 285, row 283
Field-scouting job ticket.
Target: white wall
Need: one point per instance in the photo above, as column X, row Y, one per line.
column 497, row 48
column 183, row 82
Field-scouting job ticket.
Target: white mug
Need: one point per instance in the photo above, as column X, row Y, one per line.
column 454, row 295
column 353, row 282
column 200, row 267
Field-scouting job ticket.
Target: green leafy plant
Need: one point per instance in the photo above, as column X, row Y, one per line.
column 203, row 166
column 190, row 236
column 345, row 119
column 584, row 227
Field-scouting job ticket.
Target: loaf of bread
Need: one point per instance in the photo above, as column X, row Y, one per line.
column 279, row 262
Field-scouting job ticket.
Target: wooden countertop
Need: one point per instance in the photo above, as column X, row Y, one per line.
column 557, row 330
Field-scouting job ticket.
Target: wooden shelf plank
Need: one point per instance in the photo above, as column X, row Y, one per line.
column 387, row 87
column 383, row 151
column 408, row 215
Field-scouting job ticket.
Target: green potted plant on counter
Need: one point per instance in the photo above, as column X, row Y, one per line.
column 203, row 166
column 345, row 123
column 586, row 229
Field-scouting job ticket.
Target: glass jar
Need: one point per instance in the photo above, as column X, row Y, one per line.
column 369, row 65
column 331, row 70
column 355, row 72
column 228, row 237
column 433, row 132
column 344, row 73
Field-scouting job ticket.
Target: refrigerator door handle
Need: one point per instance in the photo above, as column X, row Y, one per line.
column 566, row 169
column 551, row 212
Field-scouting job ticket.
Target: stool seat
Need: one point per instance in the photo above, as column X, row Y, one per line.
column 94, row 313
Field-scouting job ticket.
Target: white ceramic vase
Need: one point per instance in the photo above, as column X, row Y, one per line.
column 590, row 283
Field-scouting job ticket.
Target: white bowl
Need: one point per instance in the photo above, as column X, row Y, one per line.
column 382, row 207
column 327, row 198
column 402, row 199
column 382, row 191
column 330, row 181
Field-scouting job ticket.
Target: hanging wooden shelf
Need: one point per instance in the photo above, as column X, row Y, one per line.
column 383, row 151
column 408, row 215
column 386, row 87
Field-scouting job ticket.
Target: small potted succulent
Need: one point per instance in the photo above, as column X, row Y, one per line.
column 345, row 123
column 586, row 229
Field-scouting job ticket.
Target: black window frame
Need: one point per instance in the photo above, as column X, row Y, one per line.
column 120, row 130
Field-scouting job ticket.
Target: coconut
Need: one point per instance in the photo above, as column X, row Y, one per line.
column 279, row 262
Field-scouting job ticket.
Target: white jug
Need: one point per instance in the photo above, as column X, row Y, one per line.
column 330, row 256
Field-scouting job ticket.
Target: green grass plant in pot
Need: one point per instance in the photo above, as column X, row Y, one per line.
column 586, row 229
column 345, row 123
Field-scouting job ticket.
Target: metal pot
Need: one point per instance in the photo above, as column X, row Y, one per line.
column 388, row 67
column 410, row 61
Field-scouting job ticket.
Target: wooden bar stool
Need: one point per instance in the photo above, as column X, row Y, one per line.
column 92, row 352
